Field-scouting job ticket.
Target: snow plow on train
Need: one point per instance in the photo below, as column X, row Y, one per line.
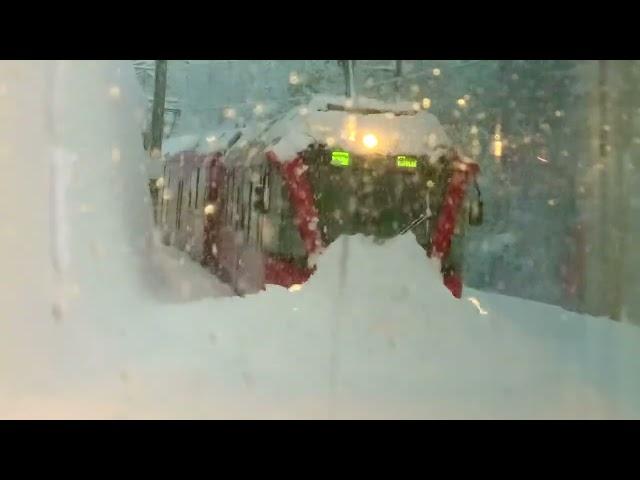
column 257, row 205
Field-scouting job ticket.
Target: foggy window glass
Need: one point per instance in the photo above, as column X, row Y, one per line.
column 320, row 239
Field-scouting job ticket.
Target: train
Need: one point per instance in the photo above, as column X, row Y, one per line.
column 257, row 205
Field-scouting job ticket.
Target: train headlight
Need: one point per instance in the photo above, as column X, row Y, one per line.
column 370, row 140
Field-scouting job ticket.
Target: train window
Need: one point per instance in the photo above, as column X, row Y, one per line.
column 266, row 195
column 258, row 204
column 192, row 188
column 266, row 198
column 249, row 209
column 179, row 203
column 206, row 187
column 260, row 199
column 232, row 199
column 236, row 213
column 228, row 199
column 195, row 205
column 271, row 223
column 174, row 199
column 227, row 180
column 166, row 200
column 162, row 200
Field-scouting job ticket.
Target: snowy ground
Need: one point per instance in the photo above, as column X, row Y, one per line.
column 395, row 344
column 122, row 328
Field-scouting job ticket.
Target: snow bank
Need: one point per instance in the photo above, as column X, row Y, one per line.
column 373, row 334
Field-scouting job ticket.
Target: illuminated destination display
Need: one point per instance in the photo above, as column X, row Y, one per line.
column 340, row 159
column 406, row 162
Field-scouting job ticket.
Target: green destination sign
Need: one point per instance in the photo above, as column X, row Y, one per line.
column 340, row 159
column 406, row 162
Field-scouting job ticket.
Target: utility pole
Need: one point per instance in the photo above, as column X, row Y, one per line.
column 348, row 68
column 398, row 76
column 157, row 128
column 157, row 114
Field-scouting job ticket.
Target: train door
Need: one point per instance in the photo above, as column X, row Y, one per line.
column 250, row 278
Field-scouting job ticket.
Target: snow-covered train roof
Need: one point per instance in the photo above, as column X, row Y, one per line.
column 213, row 141
column 337, row 122
column 342, row 123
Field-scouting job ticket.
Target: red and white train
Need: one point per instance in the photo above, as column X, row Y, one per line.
column 257, row 206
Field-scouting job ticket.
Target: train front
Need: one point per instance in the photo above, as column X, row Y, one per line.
column 383, row 171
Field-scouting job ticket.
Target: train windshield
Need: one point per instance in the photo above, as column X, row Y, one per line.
column 377, row 195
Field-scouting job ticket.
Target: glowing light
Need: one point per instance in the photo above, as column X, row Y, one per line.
column 259, row 109
column 436, row 72
column 476, row 303
column 497, row 148
column 211, row 138
column 209, row 209
column 406, row 162
column 497, row 144
column 426, row 103
column 340, row 159
column 294, row 78
column 462, row 102
column 115, row 154
column 370, row 140
column 543, row 160
column 296, row 287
